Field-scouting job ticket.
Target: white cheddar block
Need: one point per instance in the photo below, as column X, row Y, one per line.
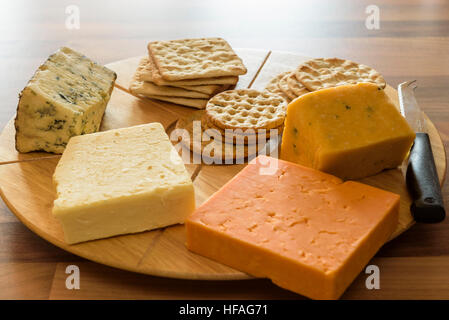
column 121, row 181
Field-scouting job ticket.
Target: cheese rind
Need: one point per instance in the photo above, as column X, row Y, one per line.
column 309, row 232
column 120, row 181
column 350, row 131
column 66, row 97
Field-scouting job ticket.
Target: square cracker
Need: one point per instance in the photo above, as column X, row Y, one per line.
column 207, row 89
column 195, row 58
column 211, row 89
column 144, row 68
column 147, row 88
column 149, row 72
column 189, row 102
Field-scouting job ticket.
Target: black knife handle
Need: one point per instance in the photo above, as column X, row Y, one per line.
column 423, row 183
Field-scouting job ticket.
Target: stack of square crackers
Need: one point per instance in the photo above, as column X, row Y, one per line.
column 187, row 72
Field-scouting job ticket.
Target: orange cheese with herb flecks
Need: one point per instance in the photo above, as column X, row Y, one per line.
column 308, row 231
column 350, row 131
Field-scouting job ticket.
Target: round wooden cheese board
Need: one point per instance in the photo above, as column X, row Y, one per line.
column 26, row 180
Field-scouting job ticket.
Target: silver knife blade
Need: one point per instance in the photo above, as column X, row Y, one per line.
column 409, row 106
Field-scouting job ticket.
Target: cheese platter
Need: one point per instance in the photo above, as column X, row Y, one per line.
column 27, row 188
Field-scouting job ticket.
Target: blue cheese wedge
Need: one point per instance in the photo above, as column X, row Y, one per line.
column 121, row 181
column 66, row 97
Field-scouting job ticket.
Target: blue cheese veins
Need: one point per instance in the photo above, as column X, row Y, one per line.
column 66, row 97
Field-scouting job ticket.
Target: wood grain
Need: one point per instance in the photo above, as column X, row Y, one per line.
column 26, row 280
column 101, row 282
column 400, row 278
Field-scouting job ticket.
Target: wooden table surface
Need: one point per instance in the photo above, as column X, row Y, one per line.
column 411, row 43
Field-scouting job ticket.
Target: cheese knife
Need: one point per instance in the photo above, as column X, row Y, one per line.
column 421, row 177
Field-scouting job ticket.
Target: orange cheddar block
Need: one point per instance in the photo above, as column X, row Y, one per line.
column 350, row 131
column 308, row 231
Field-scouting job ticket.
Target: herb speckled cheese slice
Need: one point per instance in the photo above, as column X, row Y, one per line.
column 351, row 131
column 66, row 97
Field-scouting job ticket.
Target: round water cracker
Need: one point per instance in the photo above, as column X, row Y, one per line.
column 246, row 109
column 283, row 85
column 296, row 86
column 207, row 149
column 273, row 87
column 240, row 132
column 273, row 84
column 248, row 136
column 320, row 73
